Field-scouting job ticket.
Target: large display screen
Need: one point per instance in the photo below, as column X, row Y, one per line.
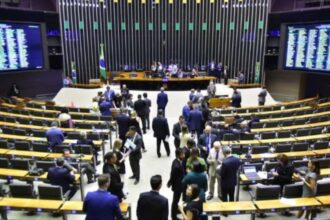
column 308, row 47
column 20, row 46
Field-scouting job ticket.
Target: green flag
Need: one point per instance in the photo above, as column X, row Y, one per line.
column 103, row 73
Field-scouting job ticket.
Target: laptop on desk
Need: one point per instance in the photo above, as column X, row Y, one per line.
column 251, row 173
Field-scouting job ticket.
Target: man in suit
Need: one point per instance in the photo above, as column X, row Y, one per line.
column 61, row 176
column 55, row 136
column 101, row 204
column 105, row 107
column 148, row 106
column 206, row 141
column 151, row 205
column 176, row 176
column 135, row 152
column 109, row 94
column 140, row 108
column 124, row 91
column 162, row 100
column 241, row 77
column 262, row 96
column 109, row 167
column 195, row 121
column 214, row 160
column 176, row 131
column 228, row 175
column 123, row 122
column 186, row 111
column 236, row 99
column 225, row 75
column 84, row 140
column 161, row 132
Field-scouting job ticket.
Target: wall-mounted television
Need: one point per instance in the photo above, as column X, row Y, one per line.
column 21, row 46
column 307, row 47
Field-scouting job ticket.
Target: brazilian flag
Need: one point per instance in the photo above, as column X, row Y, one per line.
column 103, row 73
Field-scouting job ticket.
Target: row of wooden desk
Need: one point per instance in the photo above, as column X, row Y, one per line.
column 277, row 140
column 264, row 206
column 42, row 205
column 278, row 111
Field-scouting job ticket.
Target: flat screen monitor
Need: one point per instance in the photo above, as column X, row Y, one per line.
column 307, row 47
column 21, row 47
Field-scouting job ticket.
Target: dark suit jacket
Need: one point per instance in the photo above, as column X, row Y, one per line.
column 236, row 100
column 101, row 205
column 176, row 176
column 203, row 142
column 152, row 206
column 123, row 122
column 105, row 108
column 140, row 107
column 136, row 153
column 160, row 127
column 116, row 186
column 55, row 136
column 176, row 134
column 60, row 176
column 162, row 100
column 148, row 104
column 228, row 172
column 195, row 120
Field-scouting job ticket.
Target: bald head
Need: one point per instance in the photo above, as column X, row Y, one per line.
column 217, row 145
column 208, row 129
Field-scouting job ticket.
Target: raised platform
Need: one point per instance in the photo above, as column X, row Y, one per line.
column 139, row 81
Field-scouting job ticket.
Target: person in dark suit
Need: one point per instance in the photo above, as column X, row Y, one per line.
column 205, row 141
column 61, row 176
column 177, row 130
column 135, row 152
column 123, row 122
column 162, row 100
column 283, row 172
column 54, row 135
column 228, row 175
column 236, row 99
column 241, row 77
column 195, row 121
column 109, row 94
column 176, row 176
column 14, row 91
column 161, row 132
column 140, row 109
column 151, row 205
column 124, row 91
column 148, row 106
column 109, row 167
column 135, row 121
column 186, row 111
column 226, row 75
column 105, row 106
column 100, row 204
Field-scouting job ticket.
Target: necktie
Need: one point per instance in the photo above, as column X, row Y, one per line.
column 217, row 156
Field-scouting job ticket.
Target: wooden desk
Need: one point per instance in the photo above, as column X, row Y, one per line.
column 322, row 152
column 75, row 207
column 280, row 204
column 290, row 154
column 313, row 137
column 325, row 200
column 22, row 153
column 27, row 138
column 325, row 172
column 85, row 157
column 3, row 151
column 44, row 128
column 277, row 140
column 34, row 204
column 241, row 207
column 141, row 82
column 247, row 142
column 46, row 119
column 295, row 117
column 13, row 173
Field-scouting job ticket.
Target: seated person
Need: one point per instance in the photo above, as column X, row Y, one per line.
column 194, row 73
column 61, row 176
column 194, row 207
column 84, row 165
column 254, row 119
column 54, row 135
column 85, row 141
column 283, row 172
column 65, row 119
